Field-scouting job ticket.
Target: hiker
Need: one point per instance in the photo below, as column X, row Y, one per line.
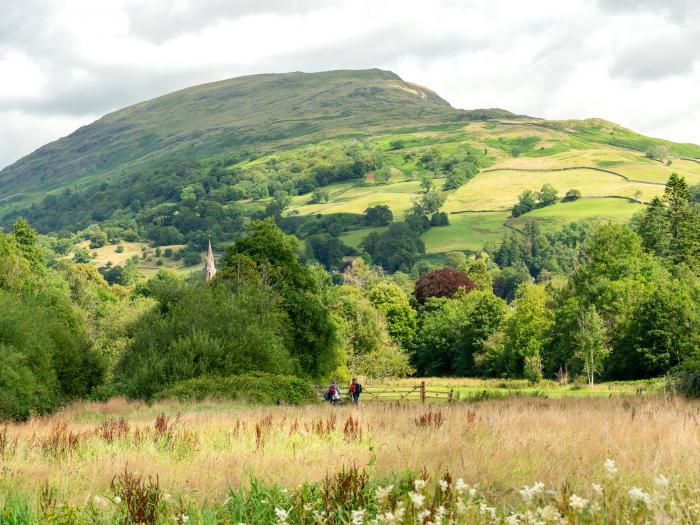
column 333, row 393
column 355, row 390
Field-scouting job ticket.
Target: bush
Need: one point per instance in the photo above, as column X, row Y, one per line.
column 685, row 379
column 119, row 249
column 257, row 387
column 572, row 195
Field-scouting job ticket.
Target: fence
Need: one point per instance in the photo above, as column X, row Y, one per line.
column 418, row 392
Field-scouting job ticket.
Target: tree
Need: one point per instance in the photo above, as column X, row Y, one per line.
column 572, row 195
column 527, row 201
column 654, row 228
column 547, row 196
column 368, row 346
column 396, row 248
column 590, row 342
column 452, row 331
column 379, row 215
column 526, row 327
column 98, row 239
column 314, row 340
column 394, row 303
column 327, row 250
column 205, row 330
column 442, row 283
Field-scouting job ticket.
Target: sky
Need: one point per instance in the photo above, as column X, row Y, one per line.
column 65, row 63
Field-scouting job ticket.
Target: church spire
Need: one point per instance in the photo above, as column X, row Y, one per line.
column 209, row 266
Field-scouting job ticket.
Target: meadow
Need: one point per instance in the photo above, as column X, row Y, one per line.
column 611, row 459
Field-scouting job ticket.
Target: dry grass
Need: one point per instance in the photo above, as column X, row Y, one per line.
column 211, row 447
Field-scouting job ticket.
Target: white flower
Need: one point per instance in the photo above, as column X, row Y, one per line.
column 184, row 518
column 444, row 485
column 597, row 489
column 357, row 517
column 549, row 513
column 417, row 499
column 577, row 503
column 117, row 500
column 282, row 516
column 610, row 467
column 528, row 493
column 472, row 492
column 513, row 519
column 637, row 495
column 485, row 509
column 661, row 481
column 422, row 515
column 419, row 485
column 382, row 493
column 460, row 486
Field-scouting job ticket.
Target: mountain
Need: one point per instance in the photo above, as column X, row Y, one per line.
column 318, row 149
column 264, row 112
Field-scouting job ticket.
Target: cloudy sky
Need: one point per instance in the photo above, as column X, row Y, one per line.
column 64, row 63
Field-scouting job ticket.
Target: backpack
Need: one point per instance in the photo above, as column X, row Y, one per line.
column 358, row 388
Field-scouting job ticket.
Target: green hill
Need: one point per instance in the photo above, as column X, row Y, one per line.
column 320, row 148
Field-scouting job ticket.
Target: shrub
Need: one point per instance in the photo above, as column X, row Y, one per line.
column 572, row 195
column 255, row 387
column 119, row 249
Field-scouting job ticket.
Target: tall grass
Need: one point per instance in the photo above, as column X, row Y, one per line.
column 88, row 455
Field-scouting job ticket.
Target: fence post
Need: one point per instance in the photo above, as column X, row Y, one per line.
column 422, row 391
column 449, row 396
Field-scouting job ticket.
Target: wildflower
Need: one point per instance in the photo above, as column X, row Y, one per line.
column 282, row 516
column 417, row 499
column 597, row 489
column 167, row 497
column 610, row 467
column 422, row 515
column 637, row 495
column 661, row 481
column 117, row 500
column 513, row 519
column 460, row 486
column 382, row 493
column 419, row 485
column 184, row 518
column 549, row 513
column 357, row 517
column 444, row 485
column 528, row 493
column 485, row 509
column 577, row 503
column 320, row 516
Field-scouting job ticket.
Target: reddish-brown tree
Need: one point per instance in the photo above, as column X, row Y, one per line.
column 442, row 283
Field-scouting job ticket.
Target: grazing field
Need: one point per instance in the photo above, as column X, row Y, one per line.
column 467, row 231
column 499, row 190
column 87, row 460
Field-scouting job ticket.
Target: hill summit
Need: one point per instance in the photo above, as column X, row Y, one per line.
column 266, row 112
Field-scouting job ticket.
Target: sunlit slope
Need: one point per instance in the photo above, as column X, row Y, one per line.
column 606, row 163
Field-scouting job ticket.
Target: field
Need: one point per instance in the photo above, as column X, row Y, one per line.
column 147, row 262
column 219, row 462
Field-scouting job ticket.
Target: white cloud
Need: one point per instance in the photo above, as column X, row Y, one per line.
column 635, row 62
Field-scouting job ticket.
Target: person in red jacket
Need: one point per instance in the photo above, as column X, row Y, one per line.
column 355, row 390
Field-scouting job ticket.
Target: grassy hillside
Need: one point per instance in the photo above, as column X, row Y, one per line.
column 320, row 149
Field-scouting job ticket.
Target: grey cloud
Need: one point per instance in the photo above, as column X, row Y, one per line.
column 678, row 10
column 658, row 58
column 159, row 20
